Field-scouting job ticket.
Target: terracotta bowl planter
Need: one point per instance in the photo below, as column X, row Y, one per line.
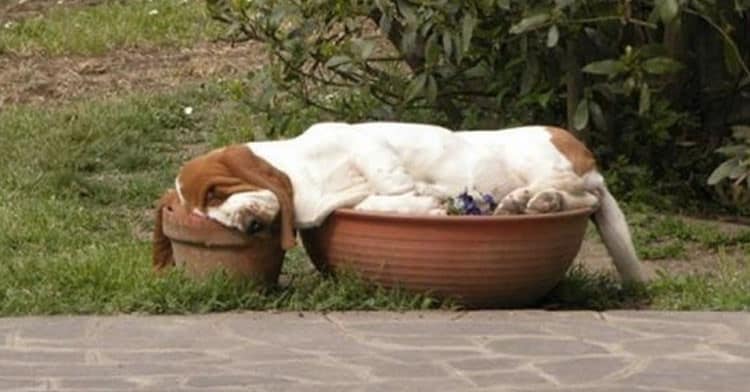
column 483, row 261
column 202, row 247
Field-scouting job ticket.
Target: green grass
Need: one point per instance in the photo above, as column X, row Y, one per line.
column 79, row 181
column 110, row 278
column 110, row 25
column 582, row 289
column 727, row 288
column 659, row 236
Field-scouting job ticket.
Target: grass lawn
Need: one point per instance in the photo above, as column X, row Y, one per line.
column 79, row 183
column 110, row 25
column 79, row 179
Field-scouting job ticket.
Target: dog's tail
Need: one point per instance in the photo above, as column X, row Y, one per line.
column 614, row 231
column 162, row 247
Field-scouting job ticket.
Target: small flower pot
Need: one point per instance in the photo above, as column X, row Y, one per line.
column 481, row 261
column 203, row 247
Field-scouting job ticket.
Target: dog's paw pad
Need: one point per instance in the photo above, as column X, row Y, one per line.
column 514, row 203
column 547, row 201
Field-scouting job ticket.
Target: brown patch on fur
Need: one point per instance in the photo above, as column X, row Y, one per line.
column 215, row 176
column 579, row 156
column 161, row 253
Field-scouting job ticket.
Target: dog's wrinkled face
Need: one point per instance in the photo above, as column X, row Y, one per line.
column 238, row 189
column 250, row 212
column 235, row 187
column 212, row 185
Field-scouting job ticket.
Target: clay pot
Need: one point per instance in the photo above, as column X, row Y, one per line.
column 482, row 261
column 203, row 246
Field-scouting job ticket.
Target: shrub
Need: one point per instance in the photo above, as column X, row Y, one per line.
column 732, row 178
column 647, row 84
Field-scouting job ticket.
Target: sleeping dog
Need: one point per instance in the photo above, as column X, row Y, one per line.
column 397, row 167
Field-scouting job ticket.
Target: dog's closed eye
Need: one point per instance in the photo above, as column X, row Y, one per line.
column 214, row 197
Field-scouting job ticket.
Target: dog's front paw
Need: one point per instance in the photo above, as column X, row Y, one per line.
column 546, row 201
column 514, row 203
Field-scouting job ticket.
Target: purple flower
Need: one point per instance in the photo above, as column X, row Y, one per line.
column 490, row 201
column 474, row 203
column 488, row 198
column 465, row 198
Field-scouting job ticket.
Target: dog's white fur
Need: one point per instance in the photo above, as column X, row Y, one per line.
column 411, row 168
column 241, row 208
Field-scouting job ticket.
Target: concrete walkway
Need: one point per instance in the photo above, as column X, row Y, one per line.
column 433, row 351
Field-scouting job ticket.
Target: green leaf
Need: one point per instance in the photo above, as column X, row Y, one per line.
column 581, row 119
column 629, row 85
column 553, row 35
column 721, row 172
column 644, row 102
column 408, row 41
column 528, row 24
column 668, row 9
column 426, row 26
column 731, row 62
column 503, row 4
column 431, row 89
column 416, row 87
column 544, row 98
column 530, row 75
column 661, row 65
column 738, row 172
column 336, row 61
column 597, row 116
column 733, row 150
column 447, row 45
column 432, row 50
column 408, row 13
column 385, row 23
column 468, row 23
column 741, row 132
column 478, row 71
column 366, row 49
column 605, row 67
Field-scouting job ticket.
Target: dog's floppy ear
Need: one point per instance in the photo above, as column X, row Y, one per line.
column 256, row 171
column 162, row 247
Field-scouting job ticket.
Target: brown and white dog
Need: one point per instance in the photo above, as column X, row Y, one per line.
column 397, row 167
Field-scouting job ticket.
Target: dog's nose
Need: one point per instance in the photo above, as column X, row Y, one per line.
column 254, row 227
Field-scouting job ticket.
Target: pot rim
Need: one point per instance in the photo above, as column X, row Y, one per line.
column 351, row 213
column 193, row 230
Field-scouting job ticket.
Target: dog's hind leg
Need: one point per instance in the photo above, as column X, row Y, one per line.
column 563, row 191
column 553, row 200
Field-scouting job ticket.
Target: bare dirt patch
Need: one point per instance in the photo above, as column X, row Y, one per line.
column 57, row 80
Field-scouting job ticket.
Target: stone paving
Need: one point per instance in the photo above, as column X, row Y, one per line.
column 380, row 351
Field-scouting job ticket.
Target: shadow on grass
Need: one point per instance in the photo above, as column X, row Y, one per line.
column 585, row 290
column 579, row 290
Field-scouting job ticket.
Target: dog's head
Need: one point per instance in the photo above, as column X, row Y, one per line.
column 238, row 189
